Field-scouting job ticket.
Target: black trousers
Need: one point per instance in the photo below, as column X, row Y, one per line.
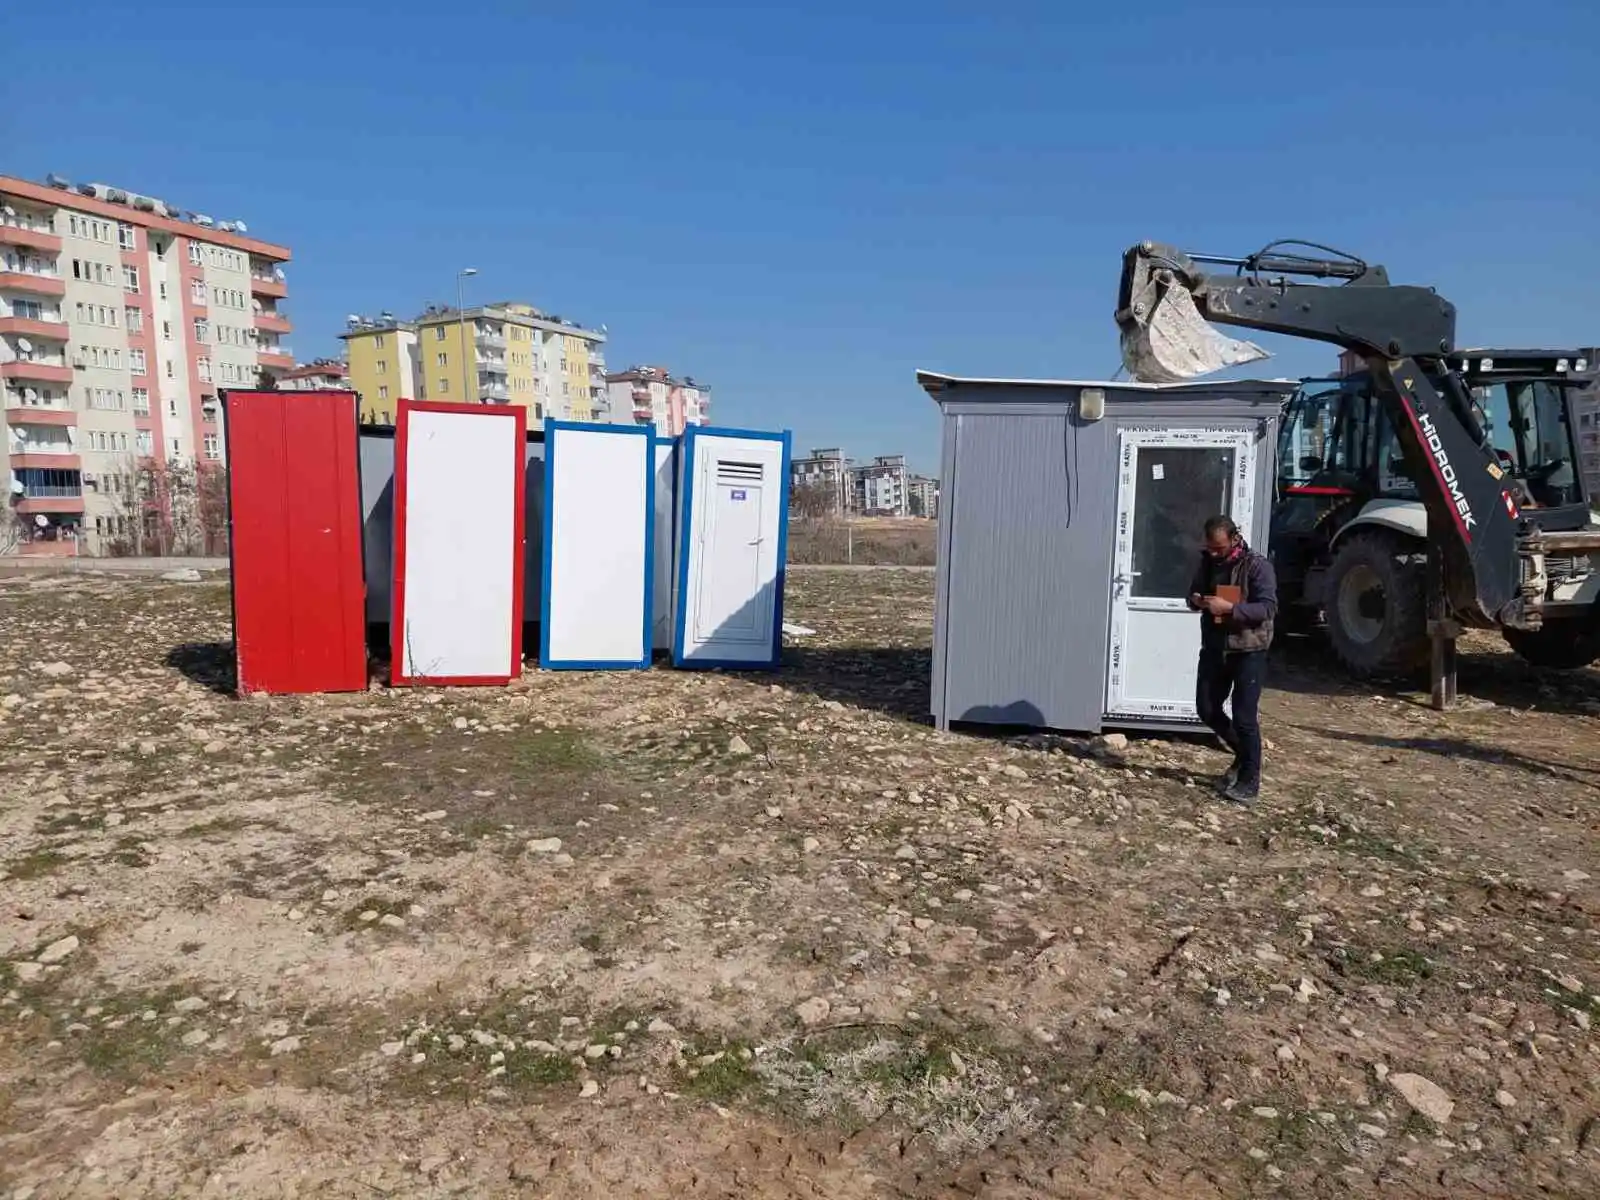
column 1240, row 675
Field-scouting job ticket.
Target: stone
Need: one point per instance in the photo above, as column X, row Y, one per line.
column 1286, row 1053
column 1265, row 1112
column 1110, row 743
column 182, row 575
column 56, row 670
column 1012, row 771
column 774, row 812
column 549, row 845
column 484, row 1038
column 813, row 1011
column 1425, row 1096
column 392, row 921
column 1505, row 1099
column 114, row 819
column 284, row 1045
column 1372, row 1131
column 738, row 747
column 460, row 723
column 275, row 1029
column 370, row 915
column 906, row 852
column 810, row 845
column 195, row 1037
column 28, row 972
column 390, row 1049
column 590, row 1088
column 190, row 1004
column 214, row 747
column 437, row 814
column 659, row 1026
column 58, row 950
column 598, row 1050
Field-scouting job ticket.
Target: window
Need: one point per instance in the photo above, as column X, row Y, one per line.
column 79, row 307
column 382, row 365
column 172, row 406
column 166, row 330
column 134, row 318
column 136, row 362
column 444, row 387
column 442, row 359
column 172, row 372
column 141, row 402
column 196, row 256
column 438, row 333
column 162, row 289
column 383, row 391
column 143, row 440
column 210, row 444
column 130, row 278
column 203, row 366
column 125, row 236
column 177, row 448
column 377, row 342
column 202, row 329
column 197, row 290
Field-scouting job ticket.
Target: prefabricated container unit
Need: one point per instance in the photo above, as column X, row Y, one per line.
column 295, row 538
column 599, row 546
column 732, row 529
column 458, row 544
column 1069, row 533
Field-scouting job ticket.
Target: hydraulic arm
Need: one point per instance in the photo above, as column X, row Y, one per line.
column 1492, row 556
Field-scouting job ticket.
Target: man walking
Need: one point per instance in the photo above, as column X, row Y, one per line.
column 1236, row 593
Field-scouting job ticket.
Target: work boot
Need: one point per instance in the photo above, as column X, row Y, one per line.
column 1229, row 777
column 1242, row 793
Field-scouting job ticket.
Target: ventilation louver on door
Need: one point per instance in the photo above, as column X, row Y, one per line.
column 732, row 472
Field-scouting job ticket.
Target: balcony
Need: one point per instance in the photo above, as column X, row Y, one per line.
column 46, row 457
column 490, row 341
column 494, row 393
column 492, row 366
column 275, row 358
column 18, row 413
column 30, row 239
column 39, row 371
column 33, row 283
column 271, row 322
column 268, row 285
column 33, row 502
column 27, row 327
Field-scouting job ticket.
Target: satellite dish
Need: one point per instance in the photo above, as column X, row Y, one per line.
column 25, row 345
column 42, row 521
column 16, row 487
column 241, row 227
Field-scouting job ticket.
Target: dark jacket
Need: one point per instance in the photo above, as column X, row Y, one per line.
column 1249, row 626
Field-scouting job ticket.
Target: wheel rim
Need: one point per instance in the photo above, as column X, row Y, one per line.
column 1363, row 604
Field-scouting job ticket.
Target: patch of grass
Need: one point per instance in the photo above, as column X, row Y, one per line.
column 72, row 822
column 36, row 865
column 214, row 827
column 1399, row 967
column 526, row 1069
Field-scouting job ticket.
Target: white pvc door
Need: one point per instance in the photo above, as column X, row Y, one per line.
column 1169, row 481
column 732, row 550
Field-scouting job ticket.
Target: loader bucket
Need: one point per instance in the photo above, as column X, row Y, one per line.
column 1164, row 337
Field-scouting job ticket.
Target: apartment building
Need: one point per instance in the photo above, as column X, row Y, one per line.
column 651, row 396
column 881, row 488
column 326, row 374
column 503, row 353
column 922, row 497
column 120, row 317
column 822, row 483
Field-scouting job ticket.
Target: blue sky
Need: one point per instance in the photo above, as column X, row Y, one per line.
column 801, row 205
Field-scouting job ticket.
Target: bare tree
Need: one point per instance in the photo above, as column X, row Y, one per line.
column 813, row 501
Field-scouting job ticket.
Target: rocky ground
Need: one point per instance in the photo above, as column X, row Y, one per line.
column 690, row 934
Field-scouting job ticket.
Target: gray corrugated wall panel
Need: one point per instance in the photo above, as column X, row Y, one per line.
column 377, row 513
column 941, row 587
column 1026, row 593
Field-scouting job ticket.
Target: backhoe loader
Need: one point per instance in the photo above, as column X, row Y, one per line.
column 1436, row 489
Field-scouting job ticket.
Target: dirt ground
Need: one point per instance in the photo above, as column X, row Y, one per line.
column 663, row 933
column 866, row 541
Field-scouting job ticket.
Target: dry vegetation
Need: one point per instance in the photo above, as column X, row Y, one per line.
column 864, row 541
column 686, row 934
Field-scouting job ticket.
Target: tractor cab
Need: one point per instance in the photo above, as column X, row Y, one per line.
column 1341, row 467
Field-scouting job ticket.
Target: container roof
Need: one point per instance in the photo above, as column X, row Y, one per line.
column 934, row 382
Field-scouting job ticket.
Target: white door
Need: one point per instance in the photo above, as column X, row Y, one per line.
column 1169, row 481
column 736, row 503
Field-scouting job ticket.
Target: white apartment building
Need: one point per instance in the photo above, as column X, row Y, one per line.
column 120, row 318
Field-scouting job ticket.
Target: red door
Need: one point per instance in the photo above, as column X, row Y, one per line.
column 294, row 506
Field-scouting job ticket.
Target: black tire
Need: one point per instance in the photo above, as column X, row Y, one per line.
column 1376, row 605
column 1566, row 644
